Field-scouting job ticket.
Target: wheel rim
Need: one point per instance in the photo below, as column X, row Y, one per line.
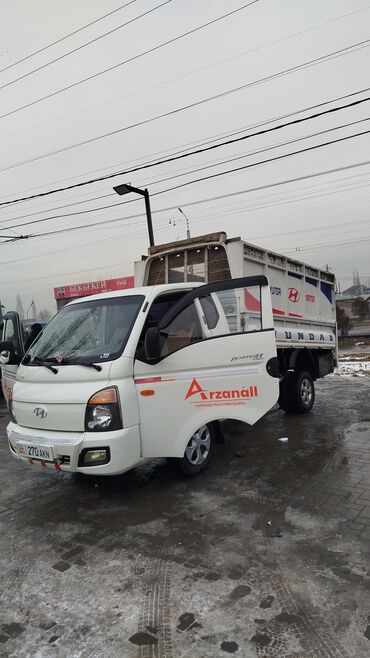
column 198, row 447
column 306, row 392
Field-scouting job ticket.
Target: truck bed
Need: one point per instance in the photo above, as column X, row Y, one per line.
column 303, row 296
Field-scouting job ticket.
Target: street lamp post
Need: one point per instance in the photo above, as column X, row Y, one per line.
column 126, row 189
column 29, row 308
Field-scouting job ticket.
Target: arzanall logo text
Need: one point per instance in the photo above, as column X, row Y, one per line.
column 233, row 397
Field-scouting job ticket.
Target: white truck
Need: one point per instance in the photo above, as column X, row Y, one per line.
column 215, row 329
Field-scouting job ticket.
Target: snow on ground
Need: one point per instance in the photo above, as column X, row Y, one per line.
column 353, row 365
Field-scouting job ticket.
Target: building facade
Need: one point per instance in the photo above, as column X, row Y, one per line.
column 65, row 294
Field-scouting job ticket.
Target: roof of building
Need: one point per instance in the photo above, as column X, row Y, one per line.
column 356, row 290
column 346, row 297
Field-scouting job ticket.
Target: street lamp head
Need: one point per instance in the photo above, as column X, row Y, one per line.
column 123, row 189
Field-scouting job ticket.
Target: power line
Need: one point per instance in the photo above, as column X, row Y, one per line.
column 184, row 147
column 163, row 224
column 163, row 180
column 278, row 201
column 179, row 109
column 258, row 188
column 223, row 196
column 261, row 162
column 80, row 29
column 274, row 203
column 316, row 229
column 66, row 205
column 189, row 73
column 260, row 204
column 365, row 238
column 300, row 198
column 88, row 245
column 183, row 172
column 88, row 43
column 194, row 152
column 130, row 59
column 100, row 241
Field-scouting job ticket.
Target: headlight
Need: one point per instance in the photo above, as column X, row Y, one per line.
column 101, row 417
column 103, row 411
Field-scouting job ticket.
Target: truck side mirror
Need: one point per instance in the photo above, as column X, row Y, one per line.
column 152, row 344
column 4, row 357
column 8, row 355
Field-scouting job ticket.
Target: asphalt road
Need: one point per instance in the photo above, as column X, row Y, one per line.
column 266, row 554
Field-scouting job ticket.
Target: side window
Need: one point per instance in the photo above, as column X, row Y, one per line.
column 10, row 335
column 207, row 312
column 211, row 315
column 9, row 332
column 242, row 308
column 184, row 330
column 161, row 305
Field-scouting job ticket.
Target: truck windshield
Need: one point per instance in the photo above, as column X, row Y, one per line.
column 93, row 330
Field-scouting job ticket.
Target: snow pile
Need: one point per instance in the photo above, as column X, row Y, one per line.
column 352, row 368
column 354, row 357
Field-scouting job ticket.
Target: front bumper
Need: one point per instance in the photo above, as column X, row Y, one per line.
column 124, row 448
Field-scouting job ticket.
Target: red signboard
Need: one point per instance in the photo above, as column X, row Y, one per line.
column 93, row 287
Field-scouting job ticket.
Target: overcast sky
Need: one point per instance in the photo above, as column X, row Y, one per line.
column 325, row 218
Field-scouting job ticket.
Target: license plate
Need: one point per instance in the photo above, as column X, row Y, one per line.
column 34, row 452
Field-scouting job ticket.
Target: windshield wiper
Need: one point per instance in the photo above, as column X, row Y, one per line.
column 65, row 361
column 42, row 363
column 88, row 364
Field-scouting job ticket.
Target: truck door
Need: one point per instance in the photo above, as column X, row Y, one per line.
column 198, row 375
column 12, row 341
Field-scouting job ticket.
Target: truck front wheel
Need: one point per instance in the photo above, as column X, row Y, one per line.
column 198, row 452
column 298, row 393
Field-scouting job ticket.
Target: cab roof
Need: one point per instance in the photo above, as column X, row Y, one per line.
column 147, row 291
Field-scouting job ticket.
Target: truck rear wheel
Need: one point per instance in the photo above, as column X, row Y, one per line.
column 198, row 452
column 299, row 393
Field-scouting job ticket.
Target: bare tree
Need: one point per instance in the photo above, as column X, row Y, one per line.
column 360, row 308
column 356, row 278
column 343, row 321
column 44, row 315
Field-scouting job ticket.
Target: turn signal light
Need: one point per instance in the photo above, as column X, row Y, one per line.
column 105, row 396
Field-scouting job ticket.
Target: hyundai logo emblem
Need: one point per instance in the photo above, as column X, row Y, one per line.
column 293, row 295
column 39, row 412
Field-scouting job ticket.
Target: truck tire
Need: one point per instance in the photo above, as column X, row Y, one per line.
column 300, row 393
column 198, row 452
